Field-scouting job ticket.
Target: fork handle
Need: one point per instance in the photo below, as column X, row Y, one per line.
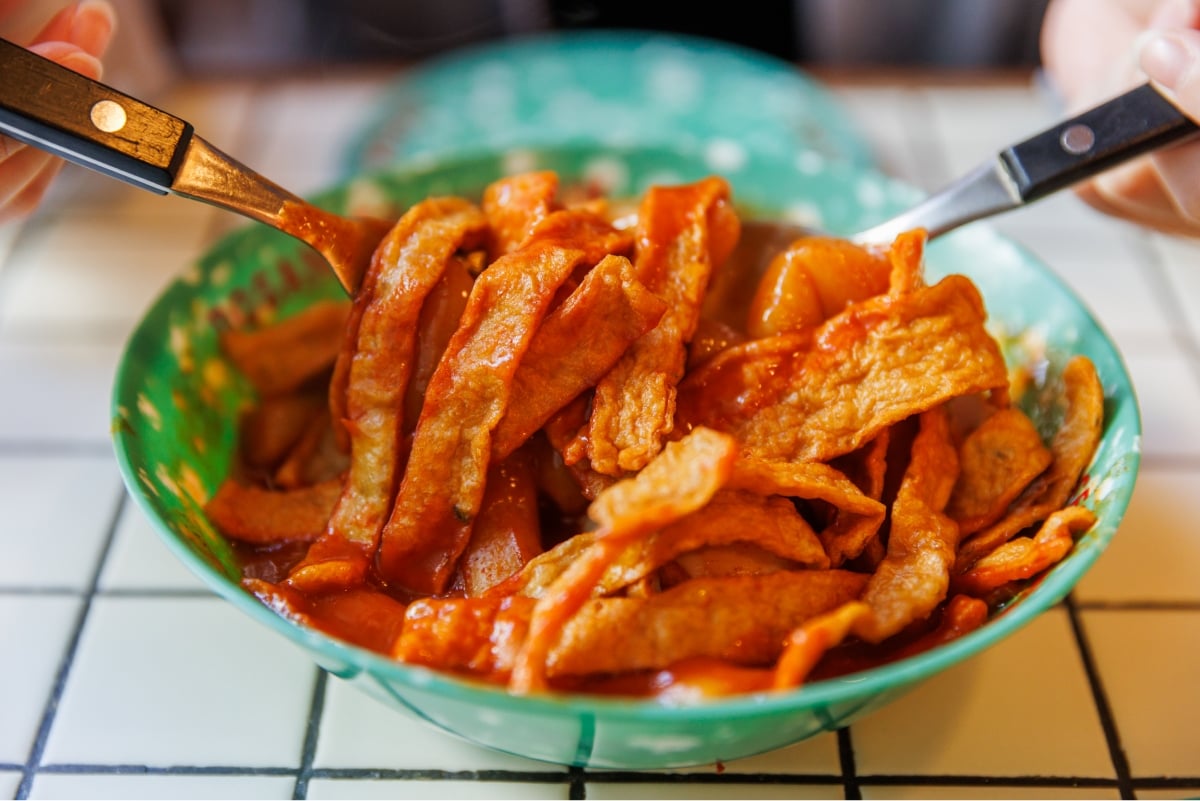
column 56, row 109
column 1101, row 137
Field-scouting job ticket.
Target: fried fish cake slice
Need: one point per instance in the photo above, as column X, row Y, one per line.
column 280, row 357
column 444, row 479
column 731, row 516
column 769, row 522
column 267, row 432
column 506, row 534
column 999, row 458
column 857, row 517
column 871, row 366
column 260, row 516
column 746, row 620
column 914, row 576
column 1072, row 446
column 407, row 265
column 576, row 345
column 683, row 233
column 813, row 279
column 810, row 652
column 1022, row 558
column 681, row 479
column 514, row 205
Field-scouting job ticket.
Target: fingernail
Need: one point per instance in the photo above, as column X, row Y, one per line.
column 1166, row 58
column 84, row 63
column 103, row 7
column 93, row 25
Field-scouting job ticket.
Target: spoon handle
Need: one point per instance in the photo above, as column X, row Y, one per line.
column 1079, row 147
column 50, row 107
column 1101, row 137
column 58, row 110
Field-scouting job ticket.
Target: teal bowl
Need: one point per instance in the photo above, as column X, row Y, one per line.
column 176, row 399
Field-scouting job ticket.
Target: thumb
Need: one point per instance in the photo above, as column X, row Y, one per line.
column 1172, row 60
column 88, row 24
column 72, row 57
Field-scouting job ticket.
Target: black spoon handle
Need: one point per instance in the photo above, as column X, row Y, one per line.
column 1082, row 146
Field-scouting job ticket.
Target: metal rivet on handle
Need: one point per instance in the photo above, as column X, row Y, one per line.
column 108, row 116
column 1077, row 139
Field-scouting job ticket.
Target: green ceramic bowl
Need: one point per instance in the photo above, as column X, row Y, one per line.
column 175, row 405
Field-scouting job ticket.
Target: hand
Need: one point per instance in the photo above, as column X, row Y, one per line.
column 76, row 38
column 1094, row 49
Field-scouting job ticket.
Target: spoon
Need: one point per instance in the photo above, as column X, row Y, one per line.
column 60, row 111
column 1062, row 155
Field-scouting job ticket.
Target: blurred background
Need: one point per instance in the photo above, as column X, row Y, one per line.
column 214, row 37
column 216, row 34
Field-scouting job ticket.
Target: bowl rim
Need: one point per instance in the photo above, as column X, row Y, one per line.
column 1045, row 593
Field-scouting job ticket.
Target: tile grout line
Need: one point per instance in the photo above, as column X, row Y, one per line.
column 440, row 774
column 134, row 769
column 851, row 789
column 60, row 679
column 985, row 780
column 576, row 783
column 316, row 711
column 1108, row 723
column 1138, row 606
column 707, row 778
column 616, row 777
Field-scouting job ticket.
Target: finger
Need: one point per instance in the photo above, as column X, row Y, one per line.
column 9, row 146
column 1178, row 170
column 1172, row 60
column 88, row 24
column 1083, row 68
column 28, row 198
column 1136, row 193
column 70, row 56
column 19, row 170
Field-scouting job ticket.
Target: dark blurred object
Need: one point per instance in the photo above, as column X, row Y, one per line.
column 923, row 33
column 765, row 25
column 235, row 35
